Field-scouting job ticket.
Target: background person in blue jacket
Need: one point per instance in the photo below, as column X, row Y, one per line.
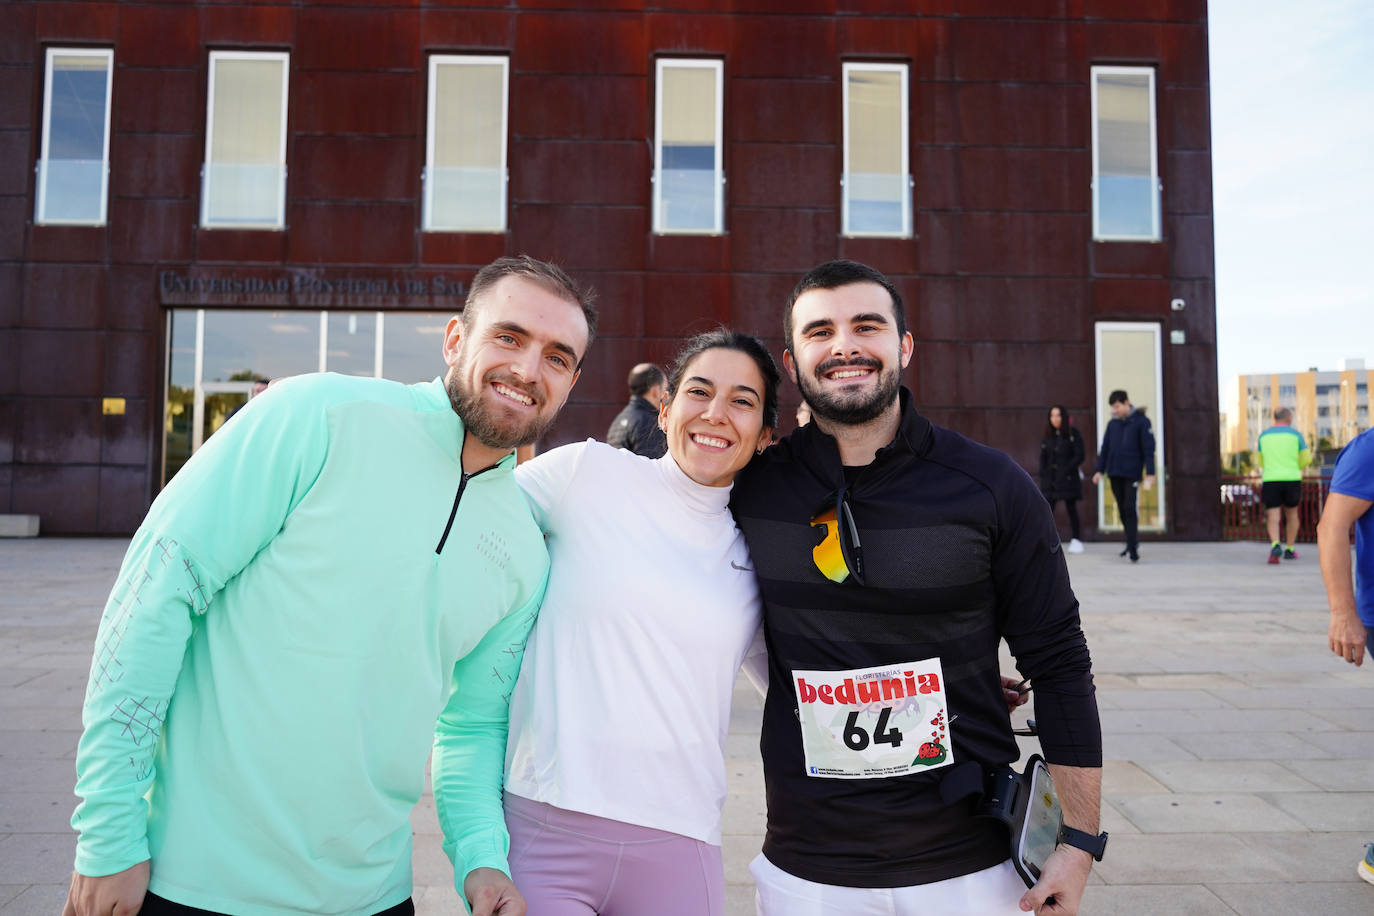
column 1128, row 447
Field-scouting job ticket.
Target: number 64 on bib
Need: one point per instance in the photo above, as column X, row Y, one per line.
column 867, row 723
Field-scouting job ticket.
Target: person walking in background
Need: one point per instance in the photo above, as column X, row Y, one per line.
column 635, row 428
column 1351, row 599
column 1283, row 454
column 1128, row 447
column 1061, row 475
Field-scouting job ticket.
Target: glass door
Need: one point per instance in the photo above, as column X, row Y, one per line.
column 216, row 356
column 1128, row 358
column 215, row 403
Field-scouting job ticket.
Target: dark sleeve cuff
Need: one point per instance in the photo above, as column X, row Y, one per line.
column 1067, row 720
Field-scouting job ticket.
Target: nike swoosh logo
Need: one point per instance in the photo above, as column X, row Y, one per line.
column 734, row 565
column 1053, row 550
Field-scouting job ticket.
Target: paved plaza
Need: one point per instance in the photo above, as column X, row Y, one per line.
column 1240, row 752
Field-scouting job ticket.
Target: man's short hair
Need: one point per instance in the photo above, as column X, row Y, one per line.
column 1118, row 397
column 643, row 377
column 1282, row 415
column 550, row 276
column 834, row 274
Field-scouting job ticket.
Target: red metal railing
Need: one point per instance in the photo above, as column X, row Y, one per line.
column 1242, row 512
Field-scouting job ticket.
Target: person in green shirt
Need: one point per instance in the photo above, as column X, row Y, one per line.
column 1283, row 454
column 342, row 579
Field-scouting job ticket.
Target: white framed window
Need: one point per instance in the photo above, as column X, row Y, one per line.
column 689, row 180
column 74, row 162
column 243, row 182
column 1125, row 180
column 465, row 150
column 875, row 188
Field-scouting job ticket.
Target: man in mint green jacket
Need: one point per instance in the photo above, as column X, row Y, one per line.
column 342, row 578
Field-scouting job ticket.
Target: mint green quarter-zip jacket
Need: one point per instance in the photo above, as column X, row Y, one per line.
column 319, row 597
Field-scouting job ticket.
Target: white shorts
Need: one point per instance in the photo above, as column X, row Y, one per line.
column 993, row 891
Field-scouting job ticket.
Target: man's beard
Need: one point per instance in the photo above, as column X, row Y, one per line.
column 850, row 408
column 482, row 422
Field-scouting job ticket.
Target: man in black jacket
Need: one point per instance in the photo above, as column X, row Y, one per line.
column 1128, row 447
column 892, row 556
column 636, row 426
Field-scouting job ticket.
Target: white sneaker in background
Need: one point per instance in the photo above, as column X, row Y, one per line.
column 1075, row 546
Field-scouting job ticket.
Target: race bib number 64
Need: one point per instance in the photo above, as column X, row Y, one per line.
column 870, row 723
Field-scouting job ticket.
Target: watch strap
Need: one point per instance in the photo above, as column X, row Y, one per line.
column 1080, row 839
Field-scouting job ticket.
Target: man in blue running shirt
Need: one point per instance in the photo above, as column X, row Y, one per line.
column 1351, row 602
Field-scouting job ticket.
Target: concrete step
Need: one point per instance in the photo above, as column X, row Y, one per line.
column 18, row 526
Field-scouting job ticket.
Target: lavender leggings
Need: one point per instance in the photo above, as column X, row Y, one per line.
column 572, row 864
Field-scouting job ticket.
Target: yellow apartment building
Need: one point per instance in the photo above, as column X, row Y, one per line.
column 1329, row 407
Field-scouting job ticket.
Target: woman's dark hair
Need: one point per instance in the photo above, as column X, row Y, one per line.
column 726, row 339
column 1065, row 424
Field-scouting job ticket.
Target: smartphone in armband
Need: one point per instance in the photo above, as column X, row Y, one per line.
column 1040, row 821
column 1027, row 804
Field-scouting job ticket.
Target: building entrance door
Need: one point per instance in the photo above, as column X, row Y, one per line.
column 215, row 403
column 215, row 356
column 1128, row 358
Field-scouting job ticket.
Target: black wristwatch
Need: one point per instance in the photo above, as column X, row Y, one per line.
column 1079, row 839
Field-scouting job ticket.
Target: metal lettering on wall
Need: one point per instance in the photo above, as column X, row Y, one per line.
column 311, row 288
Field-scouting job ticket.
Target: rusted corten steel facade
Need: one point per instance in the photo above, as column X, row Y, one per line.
column 1002, row 277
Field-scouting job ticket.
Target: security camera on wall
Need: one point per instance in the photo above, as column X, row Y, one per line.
column 1177, row 305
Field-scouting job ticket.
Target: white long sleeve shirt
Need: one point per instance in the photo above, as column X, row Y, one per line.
column 623, row 702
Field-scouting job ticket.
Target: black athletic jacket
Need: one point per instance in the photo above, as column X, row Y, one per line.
column 959, row 549
column 636, row 428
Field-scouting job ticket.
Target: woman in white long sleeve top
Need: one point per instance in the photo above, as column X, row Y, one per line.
column 615, row 771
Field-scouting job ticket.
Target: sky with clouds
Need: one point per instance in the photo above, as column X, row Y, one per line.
column 1293, row 183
